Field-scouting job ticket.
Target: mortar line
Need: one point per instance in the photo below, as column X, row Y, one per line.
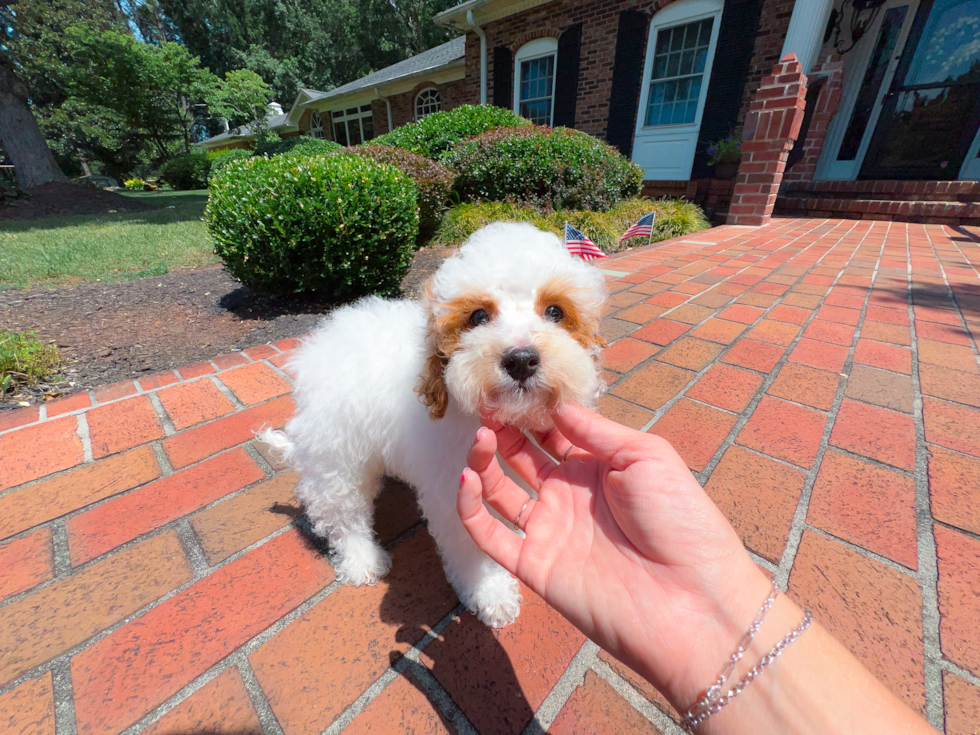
column 168, row 425
column 83, row 434
column 927, row 555
column 267, row 716
column 227, row 393
column 641, row 704
column 64, row 699
column 406, row 661
column 571, row 679
column 60, row 552
column 952, row 668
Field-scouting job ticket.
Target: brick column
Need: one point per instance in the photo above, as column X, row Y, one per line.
column 771, row 128
column 832, row 68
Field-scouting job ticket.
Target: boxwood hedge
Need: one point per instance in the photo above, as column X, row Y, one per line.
column 434, row 134
column 559, row 168
column 433, row 182
column 341, row 226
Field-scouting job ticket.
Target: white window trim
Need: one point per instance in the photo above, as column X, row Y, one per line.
column 316, row 124
column 539, row 48
column 344, row 117
column 677, row 14
column 415, row 104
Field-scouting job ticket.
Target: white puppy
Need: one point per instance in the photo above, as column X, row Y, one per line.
column 508, row 327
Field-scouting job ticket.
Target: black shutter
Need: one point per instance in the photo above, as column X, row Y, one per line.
column 627, row 70
column 733, row 53
column 503, row 76
column 566, row 76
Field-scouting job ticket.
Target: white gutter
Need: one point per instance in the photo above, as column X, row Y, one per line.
column 377, row 91
column 483, row 55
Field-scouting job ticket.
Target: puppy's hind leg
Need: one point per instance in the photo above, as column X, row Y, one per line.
column 341, row 509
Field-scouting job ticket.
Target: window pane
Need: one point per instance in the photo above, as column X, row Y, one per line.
column 536, row 87
column 338, row 113
column 680, row 59
column 891, row 24
column 340, row 132
column 354, row 131
column 367, row 124
column 350, row 111
column 537, row 111
column 365, row 108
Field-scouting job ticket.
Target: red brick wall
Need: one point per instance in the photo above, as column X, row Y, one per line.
column 827, row 103
column 600, row 21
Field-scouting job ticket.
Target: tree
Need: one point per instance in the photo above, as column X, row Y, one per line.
column 32, row 56
column 244, row 99
column 21, row 137
column 153, row 88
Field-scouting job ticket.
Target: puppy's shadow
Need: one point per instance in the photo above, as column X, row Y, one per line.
column 467, row 659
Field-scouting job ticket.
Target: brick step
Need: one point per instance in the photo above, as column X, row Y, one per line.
column 929, row 212
column 898, row 191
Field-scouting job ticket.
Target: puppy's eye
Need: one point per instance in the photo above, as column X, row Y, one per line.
column 479, row 317
column 554, row 313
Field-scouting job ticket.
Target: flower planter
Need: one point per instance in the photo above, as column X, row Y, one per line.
column 726, row 171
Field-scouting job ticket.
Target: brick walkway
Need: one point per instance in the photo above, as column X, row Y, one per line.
column 820, row 378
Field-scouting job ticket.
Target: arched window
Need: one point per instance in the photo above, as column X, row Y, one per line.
column 316, row 125
column 534, row 80
column 427, row 101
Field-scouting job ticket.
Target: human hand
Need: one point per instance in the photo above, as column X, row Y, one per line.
column 622, row 541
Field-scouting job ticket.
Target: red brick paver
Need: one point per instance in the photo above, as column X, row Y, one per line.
column 820, row 377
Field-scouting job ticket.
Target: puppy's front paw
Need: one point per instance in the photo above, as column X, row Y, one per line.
column 498, row 601
column 365, row 565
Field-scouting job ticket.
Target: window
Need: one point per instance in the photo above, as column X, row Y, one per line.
column 353, row 125
column 534, row 80
column 427, row 102
column 678, row 72
column 316, row 125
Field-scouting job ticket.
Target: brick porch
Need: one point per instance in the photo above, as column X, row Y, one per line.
column 820, row 377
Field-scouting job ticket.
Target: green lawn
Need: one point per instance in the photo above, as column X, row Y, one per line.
column 109, row 247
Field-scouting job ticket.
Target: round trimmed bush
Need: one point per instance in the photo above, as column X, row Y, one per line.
column 306, row 146
column 341, row 226
column 226, row 157
column 434, row 134
column 560, row 168
column 190, row 171
column 433, row 182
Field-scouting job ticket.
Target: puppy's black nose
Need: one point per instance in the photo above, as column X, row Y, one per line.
column 521, row 363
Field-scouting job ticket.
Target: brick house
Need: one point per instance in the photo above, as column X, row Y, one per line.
column 876, row 117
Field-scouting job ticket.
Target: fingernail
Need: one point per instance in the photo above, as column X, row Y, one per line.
column 476, row 437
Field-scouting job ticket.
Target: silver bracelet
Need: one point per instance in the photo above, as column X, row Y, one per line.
column 712, row 701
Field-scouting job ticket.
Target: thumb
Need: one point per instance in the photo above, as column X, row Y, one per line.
column 605, row 439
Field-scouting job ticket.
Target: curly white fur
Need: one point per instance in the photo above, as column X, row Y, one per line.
column 359, row 415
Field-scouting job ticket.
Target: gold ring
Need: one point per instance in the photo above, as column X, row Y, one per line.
column 517, row 521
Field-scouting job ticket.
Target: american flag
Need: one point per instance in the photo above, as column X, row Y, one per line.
column 643, row 226
column 578, row 244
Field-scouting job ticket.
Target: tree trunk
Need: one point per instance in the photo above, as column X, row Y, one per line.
column 21, row 137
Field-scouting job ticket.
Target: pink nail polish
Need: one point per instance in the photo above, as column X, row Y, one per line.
column 462, row 478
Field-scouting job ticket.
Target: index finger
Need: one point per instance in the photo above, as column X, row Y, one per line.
column 596, row 434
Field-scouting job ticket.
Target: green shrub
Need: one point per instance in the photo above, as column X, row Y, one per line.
column 434, row 134
column 134, row 184
column 433, row 182
column 187, row 172
column 343, row 226
column 560, row 168
column 306, row 146
column 674, row 217
column 233, row 154
column 24, row 359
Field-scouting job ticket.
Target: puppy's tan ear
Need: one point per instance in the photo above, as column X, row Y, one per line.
column 432, row 386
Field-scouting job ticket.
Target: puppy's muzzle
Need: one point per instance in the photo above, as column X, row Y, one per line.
column 521, row 363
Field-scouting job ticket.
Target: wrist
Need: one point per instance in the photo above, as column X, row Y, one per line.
column 720, row 632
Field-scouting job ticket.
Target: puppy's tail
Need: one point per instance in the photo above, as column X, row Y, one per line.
column 282, row 447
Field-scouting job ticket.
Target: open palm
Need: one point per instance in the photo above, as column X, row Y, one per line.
column 621, row 540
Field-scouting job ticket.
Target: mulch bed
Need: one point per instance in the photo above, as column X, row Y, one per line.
column 113, row 331
column 62, row 200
